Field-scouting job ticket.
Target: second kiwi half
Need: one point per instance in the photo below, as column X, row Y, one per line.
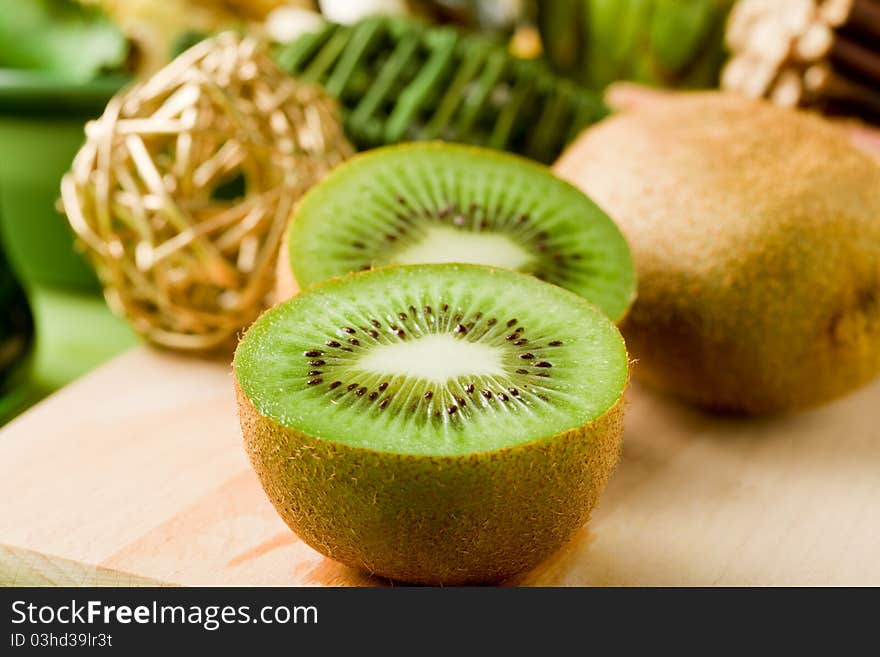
column 442, row 203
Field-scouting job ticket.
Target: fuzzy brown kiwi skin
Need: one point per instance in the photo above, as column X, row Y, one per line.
column 286, row 286
column 435, row 520
column 756, row 236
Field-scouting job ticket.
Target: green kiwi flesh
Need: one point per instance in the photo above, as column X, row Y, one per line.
column 436, row 203
column 433, row 423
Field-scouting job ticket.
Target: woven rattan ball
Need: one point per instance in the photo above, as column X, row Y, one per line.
column 182, row 190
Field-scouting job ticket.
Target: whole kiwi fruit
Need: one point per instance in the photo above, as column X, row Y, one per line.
column 756, row 236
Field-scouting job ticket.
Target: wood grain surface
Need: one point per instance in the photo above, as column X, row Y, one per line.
column 137, row 470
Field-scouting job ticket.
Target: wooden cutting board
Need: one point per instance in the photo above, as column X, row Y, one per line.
column 136, row 473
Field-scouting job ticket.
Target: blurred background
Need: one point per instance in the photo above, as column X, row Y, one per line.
column 544, row 67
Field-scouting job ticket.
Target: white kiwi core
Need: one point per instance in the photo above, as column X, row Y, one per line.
column 442, row 244
column 436, row 357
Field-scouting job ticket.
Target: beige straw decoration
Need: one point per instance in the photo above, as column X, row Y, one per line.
column 182, row 191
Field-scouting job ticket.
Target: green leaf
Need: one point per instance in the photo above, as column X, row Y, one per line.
column 75, row 43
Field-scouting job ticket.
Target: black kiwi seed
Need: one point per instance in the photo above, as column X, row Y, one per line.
column 444, row 307
column 427, row 310
column 469, row 388
column 512, row 336
column 400, row 333
column 348, row 329
column 316, row 363
column 359, row 245
column 354, row 341
column 511, row 323
column 313, row 354
column 403, row 316
column 360, row 392
column 555, row 343
column 373, row 395
column 518, row 329
column 352, row 387
column 452, row 409
column 542, row 374
column 314, row 382
column 375, row 323
column 384, row 402
column 502, row 396
column 461, row 328
column 383, row 386
column 486, row 393
column 429, row 394
column 522, row 371
column 543, row 363
column 315, row 373
column 332, row 343
column 527, row 356
column 374, row 333
column 335, row 385
column 461, row 401
column 520, row 342
column 513, row 391
column 492, row 321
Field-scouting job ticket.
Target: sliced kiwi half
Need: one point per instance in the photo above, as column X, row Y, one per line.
column 439, row 203
column 444, row 423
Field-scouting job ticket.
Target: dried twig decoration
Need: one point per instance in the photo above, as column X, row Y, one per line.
column 812, row 53
column 183, row 188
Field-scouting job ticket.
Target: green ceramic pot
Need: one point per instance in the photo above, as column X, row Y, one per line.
column 16, row 339
column 16, row 323
column 41, row 129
